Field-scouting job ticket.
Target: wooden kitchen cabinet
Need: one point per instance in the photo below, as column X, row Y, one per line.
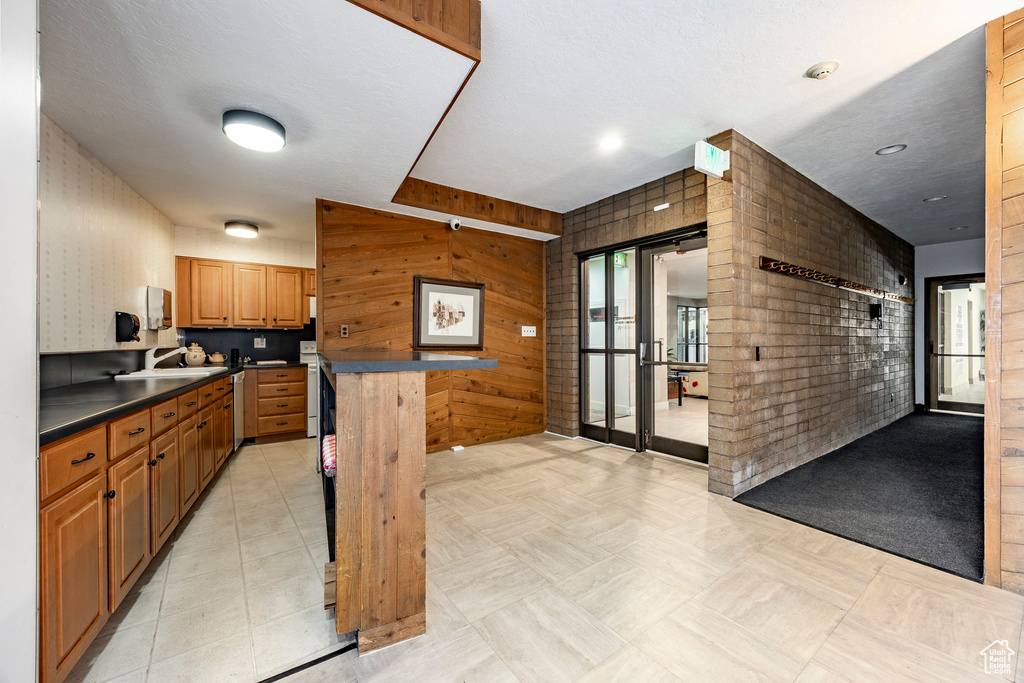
column 73, row 576
column 188, row 464
column 163, row 489
column 210, row 293
column 207, row 446
column 309, row 280
column 223, row 419
column 285, row 305
column 249, row 307
column 128, row 523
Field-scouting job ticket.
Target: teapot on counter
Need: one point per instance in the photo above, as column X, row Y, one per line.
column 195, row 355
column 217, row 358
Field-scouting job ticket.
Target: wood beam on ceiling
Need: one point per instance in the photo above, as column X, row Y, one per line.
column 454, row 24
column 424, row 194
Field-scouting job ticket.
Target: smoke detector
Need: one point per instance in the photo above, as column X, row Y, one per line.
column 822, row 70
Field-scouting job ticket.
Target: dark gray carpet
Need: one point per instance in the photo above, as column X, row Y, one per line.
column 913, row 488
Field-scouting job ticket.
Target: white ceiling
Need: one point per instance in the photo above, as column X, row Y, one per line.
column 142, row 86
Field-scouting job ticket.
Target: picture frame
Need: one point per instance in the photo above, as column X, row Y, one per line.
column 447, row 315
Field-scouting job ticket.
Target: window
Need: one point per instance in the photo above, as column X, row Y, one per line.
column 691, row 334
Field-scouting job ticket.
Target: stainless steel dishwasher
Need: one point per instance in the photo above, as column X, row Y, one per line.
column 238, row 382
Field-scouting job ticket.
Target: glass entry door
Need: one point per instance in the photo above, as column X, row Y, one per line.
column 955, row 375
column 610, row 363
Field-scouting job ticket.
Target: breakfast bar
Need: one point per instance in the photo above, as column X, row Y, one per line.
column 374, row 402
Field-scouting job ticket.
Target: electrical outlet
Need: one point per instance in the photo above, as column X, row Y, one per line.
column 259, row 343
column 892, row 398
column 343, row 331
column 529, row 330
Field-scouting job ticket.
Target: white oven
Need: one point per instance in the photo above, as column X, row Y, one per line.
column 307, row 355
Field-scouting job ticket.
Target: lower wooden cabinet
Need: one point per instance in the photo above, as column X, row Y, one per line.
column 207, row 445
column 163, row 489
column 188, row 464
column 224, row 423
column 73, row 571
column 128, row 522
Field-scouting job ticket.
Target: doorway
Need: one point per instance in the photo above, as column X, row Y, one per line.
column 955, row 343
column 644, row 345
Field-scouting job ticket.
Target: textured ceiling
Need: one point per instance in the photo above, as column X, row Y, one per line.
column 556, row 77
column 142, row 86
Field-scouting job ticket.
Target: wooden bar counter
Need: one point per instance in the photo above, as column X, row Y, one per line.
column 380, row 490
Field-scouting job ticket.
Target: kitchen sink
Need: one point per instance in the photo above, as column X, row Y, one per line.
column 166, row 373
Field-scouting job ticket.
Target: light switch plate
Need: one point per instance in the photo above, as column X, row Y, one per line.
column 529, row 330
column 259, row 343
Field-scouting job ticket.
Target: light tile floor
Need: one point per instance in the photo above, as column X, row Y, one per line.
column 558, row 560
column 237, row 594
column 562, row 560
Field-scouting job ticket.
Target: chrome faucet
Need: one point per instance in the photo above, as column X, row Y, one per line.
column 152, row 359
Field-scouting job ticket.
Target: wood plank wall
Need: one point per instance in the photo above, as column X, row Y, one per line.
column 366, row 263
column 1004, row 315
column 455, row 24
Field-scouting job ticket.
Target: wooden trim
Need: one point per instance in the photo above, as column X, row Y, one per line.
column 439, row 21
column 395, row 632
column 424, row 194
column 993, row 303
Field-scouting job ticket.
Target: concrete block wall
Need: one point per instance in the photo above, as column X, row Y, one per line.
column 827, row 375
column 621, row 218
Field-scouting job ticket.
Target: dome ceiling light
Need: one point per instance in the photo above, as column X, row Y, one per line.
column 891, row 149
column 253, row 131
column 242, row 229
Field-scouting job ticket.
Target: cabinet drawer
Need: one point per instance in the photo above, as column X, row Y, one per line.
column 221, row 388
column 188, row 404
column 128, row 433
column 272, row 390
column 278, row 424
column 164, row 416
column 71, row 460
column 281, row 375
column 207, row 394
column 281, row 406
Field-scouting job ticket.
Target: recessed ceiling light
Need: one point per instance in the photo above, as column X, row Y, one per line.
column 662, row 207
column 611, row 142
column 253, row 131
column 936, row 198
column 960, row 227
column 241, row 229
column 891, row 149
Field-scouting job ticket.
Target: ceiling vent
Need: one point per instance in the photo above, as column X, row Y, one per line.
column 822, row 70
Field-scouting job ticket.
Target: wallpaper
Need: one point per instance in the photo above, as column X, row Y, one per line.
column 100, row 246
column 216, row 244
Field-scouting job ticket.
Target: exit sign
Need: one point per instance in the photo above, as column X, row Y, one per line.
column 619, row 260
column 710, row 160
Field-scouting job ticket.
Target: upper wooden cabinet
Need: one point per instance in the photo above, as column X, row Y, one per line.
column 250, row 295
column 210, row 295
column 285, row 297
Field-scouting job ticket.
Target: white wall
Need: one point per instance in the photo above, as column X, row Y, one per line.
column 100, row 246
column 216, row 244
column 936, row 260
column 19, row 372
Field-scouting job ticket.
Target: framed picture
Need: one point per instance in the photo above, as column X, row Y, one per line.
column 447, row 314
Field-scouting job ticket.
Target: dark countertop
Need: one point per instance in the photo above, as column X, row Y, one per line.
column 67, row 410
column 289, row 364
column 371, row 360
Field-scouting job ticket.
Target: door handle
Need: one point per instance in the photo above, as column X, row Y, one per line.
column 88, row 456
column 137, row 431
column 168, row 415
column 109, row 495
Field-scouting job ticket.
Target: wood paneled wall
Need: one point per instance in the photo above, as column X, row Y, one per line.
column 366, row 263
column 455, row 24
column 1004, row 314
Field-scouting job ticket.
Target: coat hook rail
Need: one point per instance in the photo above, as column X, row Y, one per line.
column 784, row 268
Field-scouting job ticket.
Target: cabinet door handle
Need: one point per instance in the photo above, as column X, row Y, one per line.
column 282, row 405
column 225, row 317
column 88, row 456
column 110, row 494
column 168, row 415
column 283, row 389
column 152, row 463
column 161, row 456
column 137, row 431
column 281, row 424
column 227, row 406
column 208, row 395
column 191, row 403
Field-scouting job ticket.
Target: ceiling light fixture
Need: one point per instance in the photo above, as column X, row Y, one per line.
column 936, row 198
column 662, row 207
column 253, row 131
column 891, row 149
column 611, row 142
column 242, row 229
column 960, row 227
